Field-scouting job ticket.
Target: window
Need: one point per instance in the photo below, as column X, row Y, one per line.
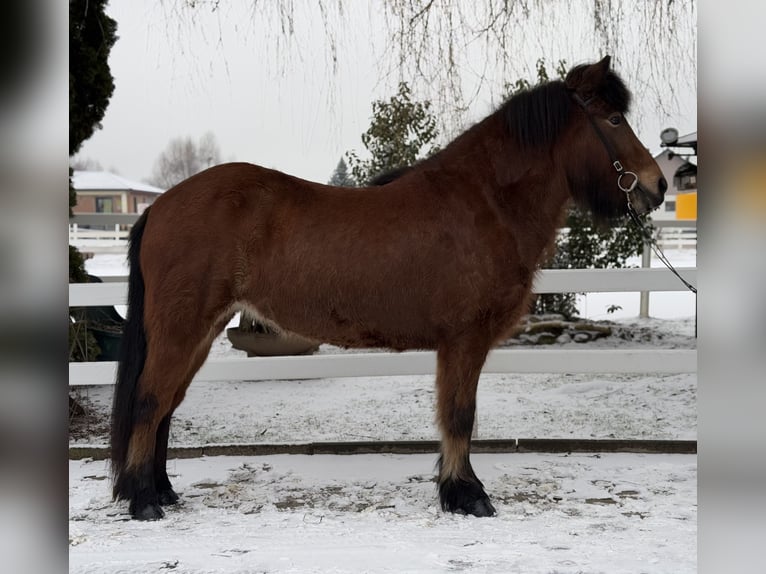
column 104, row 205
column 688, row 182
column 670, row 205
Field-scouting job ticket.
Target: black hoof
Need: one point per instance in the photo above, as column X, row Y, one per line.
column 167, row 497
column 481, row 507
column 463, row 497
column 147, row 512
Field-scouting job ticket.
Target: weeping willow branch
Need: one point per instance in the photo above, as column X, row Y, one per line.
column 450, row 51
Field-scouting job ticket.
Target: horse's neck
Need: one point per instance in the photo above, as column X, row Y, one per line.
column 502, row 164
column 527, row 189
column 533, row 209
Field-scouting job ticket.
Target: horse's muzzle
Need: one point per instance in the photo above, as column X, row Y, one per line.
column 645, row 201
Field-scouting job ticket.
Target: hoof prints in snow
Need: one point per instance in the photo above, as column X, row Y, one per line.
column 249, row 489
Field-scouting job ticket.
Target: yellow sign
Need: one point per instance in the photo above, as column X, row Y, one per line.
column 686, row 206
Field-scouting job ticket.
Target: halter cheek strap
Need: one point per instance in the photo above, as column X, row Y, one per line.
column 625, row 185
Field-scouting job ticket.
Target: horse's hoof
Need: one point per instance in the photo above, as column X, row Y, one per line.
column 167, row 497
column 481, row 508
column 148, row 512
column 463, row 497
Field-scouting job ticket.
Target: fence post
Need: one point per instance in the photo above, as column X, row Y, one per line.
column 646, row 261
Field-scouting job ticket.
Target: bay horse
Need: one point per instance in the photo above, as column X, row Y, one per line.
column 443, row 256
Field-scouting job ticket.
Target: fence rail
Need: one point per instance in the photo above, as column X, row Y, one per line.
column 105, row 219
column 77, row 234
column 114, row 290
column 671, row 233
column 424, row 363
column 677, row 237
column 416, row 363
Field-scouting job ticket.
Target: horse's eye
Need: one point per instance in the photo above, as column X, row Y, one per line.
column 615, row 120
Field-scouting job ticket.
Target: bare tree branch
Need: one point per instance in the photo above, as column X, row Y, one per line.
column 445, row 49
column 183, row 158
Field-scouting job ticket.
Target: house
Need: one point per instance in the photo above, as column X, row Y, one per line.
column 681, row 175
column 105, row 192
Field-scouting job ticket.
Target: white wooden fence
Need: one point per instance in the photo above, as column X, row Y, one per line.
column 101, row 232
column 674, row 234
column 422, row 363
column 78, row 234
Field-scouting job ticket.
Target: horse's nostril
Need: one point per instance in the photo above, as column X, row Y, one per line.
column 663, row 185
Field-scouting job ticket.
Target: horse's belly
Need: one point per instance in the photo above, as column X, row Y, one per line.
column 357, row 323
column 399, row 298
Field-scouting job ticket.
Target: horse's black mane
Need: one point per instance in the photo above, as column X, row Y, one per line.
column 536, row 116
column 390, row 175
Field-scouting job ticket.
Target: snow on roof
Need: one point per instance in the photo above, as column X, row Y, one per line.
column 104, row 180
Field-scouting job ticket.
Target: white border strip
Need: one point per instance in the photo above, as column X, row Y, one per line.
column 665, row 361
column 548, row 281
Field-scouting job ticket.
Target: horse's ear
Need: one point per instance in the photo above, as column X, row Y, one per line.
column 604, row 64
column 587, row 79
column 595, row 74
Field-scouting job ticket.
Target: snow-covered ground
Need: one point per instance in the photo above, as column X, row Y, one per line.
column 379, row 513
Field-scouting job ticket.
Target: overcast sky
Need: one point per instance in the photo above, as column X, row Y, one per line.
column 268, row 100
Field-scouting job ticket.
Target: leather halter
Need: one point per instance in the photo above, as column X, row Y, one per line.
column 622, row 172
column 646, row 235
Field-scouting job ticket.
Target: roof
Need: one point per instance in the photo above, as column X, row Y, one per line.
column 688, row 139
column 105, row 180
column 686, row 169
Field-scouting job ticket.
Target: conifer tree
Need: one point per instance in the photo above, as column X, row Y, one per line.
column 340, row 176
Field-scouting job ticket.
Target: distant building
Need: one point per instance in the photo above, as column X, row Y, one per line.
column 681, row 175
column 105, row 192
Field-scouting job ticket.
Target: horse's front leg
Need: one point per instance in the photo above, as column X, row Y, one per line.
column 457, row 376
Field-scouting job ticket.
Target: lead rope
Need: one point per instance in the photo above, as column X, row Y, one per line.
column 646, row 237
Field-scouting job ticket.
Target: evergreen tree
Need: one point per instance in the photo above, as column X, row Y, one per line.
column 341, row 177
column 91, row 36
column 402, row 131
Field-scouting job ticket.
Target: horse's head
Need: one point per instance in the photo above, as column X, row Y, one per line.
column 611, row 169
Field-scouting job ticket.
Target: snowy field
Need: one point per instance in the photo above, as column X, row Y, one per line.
column 379, row 513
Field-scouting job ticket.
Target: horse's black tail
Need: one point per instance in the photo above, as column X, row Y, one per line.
column 131, row 364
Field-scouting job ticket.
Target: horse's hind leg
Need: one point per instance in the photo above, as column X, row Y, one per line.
column 166, row 496
column 167, row 374
column 457, row 377
column 165, row 493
